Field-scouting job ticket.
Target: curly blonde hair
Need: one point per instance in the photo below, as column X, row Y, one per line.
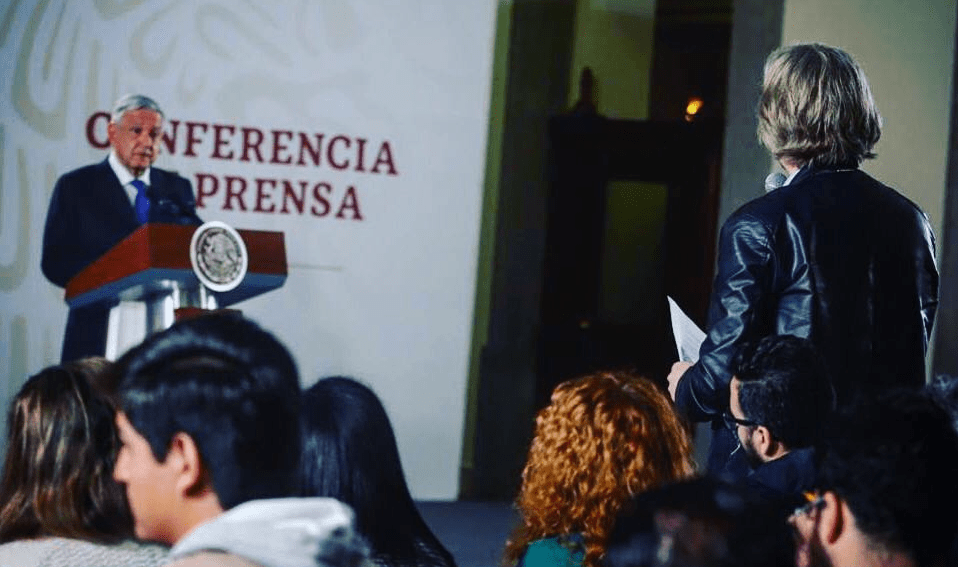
column 603, row 438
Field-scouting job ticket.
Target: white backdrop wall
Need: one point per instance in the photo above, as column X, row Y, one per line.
column 373, row 118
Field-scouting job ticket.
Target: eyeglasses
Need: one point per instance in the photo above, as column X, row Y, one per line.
column 814, row 501
column 732, row 422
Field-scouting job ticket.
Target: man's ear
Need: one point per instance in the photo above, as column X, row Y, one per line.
column 191, row 476
column 833, row 521
column 764, row 441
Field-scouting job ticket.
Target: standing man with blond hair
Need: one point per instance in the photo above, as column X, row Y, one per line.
column 833, row 255
column 95, row 207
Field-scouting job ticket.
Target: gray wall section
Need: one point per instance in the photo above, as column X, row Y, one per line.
column 540, row 53
column 756, row 31
column 946, row 323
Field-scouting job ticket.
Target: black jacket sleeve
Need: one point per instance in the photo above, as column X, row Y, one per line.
column 64, row 254
column 737, row 313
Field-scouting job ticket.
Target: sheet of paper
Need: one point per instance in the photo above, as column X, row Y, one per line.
column 688, row 336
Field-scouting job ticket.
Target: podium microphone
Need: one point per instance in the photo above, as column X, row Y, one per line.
column 774, row 181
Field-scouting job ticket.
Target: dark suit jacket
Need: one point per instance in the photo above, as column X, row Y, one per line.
column 90, row 213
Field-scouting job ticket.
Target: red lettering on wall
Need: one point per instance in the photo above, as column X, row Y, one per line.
column 332, row 148
column 304, row 147
column 219, row 142
column 91, row 125
column 252, row 138
column 385, row 156
column 169, row 139
column 279, row 146
column 248, row 144
column 201, row 191
column 263, row 197
column 290, row 194
column 234, row 193
column 191, row 138
column 318, row 190
column 350, row 203
column 359, row 154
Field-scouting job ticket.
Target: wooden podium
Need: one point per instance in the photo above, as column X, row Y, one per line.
column 149, row 281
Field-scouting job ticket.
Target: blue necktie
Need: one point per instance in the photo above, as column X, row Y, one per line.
column 142, row 203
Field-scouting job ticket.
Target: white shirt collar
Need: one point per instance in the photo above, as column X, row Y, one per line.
column 123, row 174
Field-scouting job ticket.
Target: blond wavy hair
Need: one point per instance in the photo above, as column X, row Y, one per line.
column 817, row 106
column 603, row 438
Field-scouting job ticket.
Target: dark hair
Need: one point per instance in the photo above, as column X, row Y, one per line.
column 350, row 453
column 703, row 522
column 816, row 106
column 944, row 390
column 58, row 475
column 233, row 388
column 785, row 386
column 894, row 460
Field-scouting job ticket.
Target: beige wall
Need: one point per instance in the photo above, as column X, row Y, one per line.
column 906, row 49
column 615, row 39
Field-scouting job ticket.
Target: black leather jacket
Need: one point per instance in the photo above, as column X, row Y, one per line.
column 834, row 256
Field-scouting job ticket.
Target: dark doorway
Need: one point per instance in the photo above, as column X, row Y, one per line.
column 631, row 215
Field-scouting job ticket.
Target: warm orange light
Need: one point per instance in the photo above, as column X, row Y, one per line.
column 693, row 107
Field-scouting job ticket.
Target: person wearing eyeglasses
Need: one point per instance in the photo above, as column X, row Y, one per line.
column 94, row 207
column 780, row 398
column 886, row 492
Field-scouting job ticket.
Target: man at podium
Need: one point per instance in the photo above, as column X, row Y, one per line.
column 95, row 207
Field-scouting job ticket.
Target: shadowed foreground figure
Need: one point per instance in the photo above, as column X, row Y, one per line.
column 59, row 505
column 350, row 454
column 603, row 438
column 887, row 492
column 700, row 523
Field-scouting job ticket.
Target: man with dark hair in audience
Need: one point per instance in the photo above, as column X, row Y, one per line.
column 887, row 487
column 781, row 397
column 210, row 434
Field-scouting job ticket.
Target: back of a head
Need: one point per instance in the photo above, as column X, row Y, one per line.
column 350, row 454
column 784, row 385
column 603, row 438
column 817, row 106
column 233, row 388
column 61, row 447
column 894, row 461
column 703, row 522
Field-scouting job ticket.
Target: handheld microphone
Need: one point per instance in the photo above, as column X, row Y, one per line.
column 774, row 181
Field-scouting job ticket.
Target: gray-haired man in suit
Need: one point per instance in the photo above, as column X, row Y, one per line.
column 95, row 207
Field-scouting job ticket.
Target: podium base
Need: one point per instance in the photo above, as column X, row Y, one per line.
column 130, row 322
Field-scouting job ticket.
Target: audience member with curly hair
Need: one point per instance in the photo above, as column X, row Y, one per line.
column 604, row 438
column 59, row 504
